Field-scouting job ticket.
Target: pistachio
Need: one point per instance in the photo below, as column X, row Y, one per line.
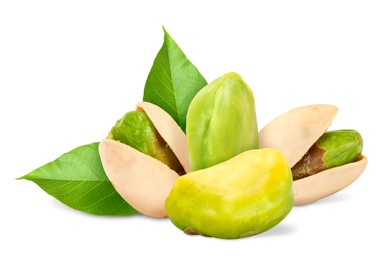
column 298, row 133
column 334, row 148
column 137, row 130
column 243, row 196
column 169, row 131
column 221, row 122
column 142, row 157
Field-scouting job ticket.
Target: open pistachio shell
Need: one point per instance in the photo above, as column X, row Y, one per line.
column 141, row 180
column 294, row 132
column 169, row 131
column 325, row 183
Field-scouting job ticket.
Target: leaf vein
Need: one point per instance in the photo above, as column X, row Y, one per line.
column 99, row 200
column 70, row 190
column 86, row 193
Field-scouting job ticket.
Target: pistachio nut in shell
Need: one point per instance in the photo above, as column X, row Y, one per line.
column 141, row 159
column 142, row 181
column 221, row 122
column 153, row 132
column 328, row 182
column 243, row 196
column 169, row 130
column 332, row 149
column 294, row 132
column 137, row 130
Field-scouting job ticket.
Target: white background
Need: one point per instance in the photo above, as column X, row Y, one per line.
column 70, row 69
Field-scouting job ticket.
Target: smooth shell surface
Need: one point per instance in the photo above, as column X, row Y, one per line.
column 141, row 180
column 325, row 183
column 294, row 132
column 169, row 131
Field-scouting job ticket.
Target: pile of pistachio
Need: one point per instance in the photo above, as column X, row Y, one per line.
column 224, row 178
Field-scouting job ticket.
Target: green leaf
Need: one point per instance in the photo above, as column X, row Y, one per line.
column 173, row 81
column 78, row 180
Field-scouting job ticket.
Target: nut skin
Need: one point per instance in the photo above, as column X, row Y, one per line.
column 244, row 196
column 221, row 122
column 137, row 130
column 332, row 149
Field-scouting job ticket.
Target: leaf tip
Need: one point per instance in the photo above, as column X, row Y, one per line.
column 167, row 36
column 165, row 31
column 21, row 178
column 27, row 176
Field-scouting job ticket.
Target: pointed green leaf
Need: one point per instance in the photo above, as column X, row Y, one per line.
column 173, row 81
column 78, row 180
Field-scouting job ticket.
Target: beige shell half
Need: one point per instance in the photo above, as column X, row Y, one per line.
column 325, row 183
column 141, row 180
column 169, row 131
column 295, row 131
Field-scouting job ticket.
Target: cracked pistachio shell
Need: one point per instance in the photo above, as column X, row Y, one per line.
column 221, row 122
column 142, row 181
column 294, row 132
column 327, row 182
column 169, row 131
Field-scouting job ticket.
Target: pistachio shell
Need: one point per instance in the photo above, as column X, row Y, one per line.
column 325, row 183
column 294, row 132
column 169, row 131
column 141, row 180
